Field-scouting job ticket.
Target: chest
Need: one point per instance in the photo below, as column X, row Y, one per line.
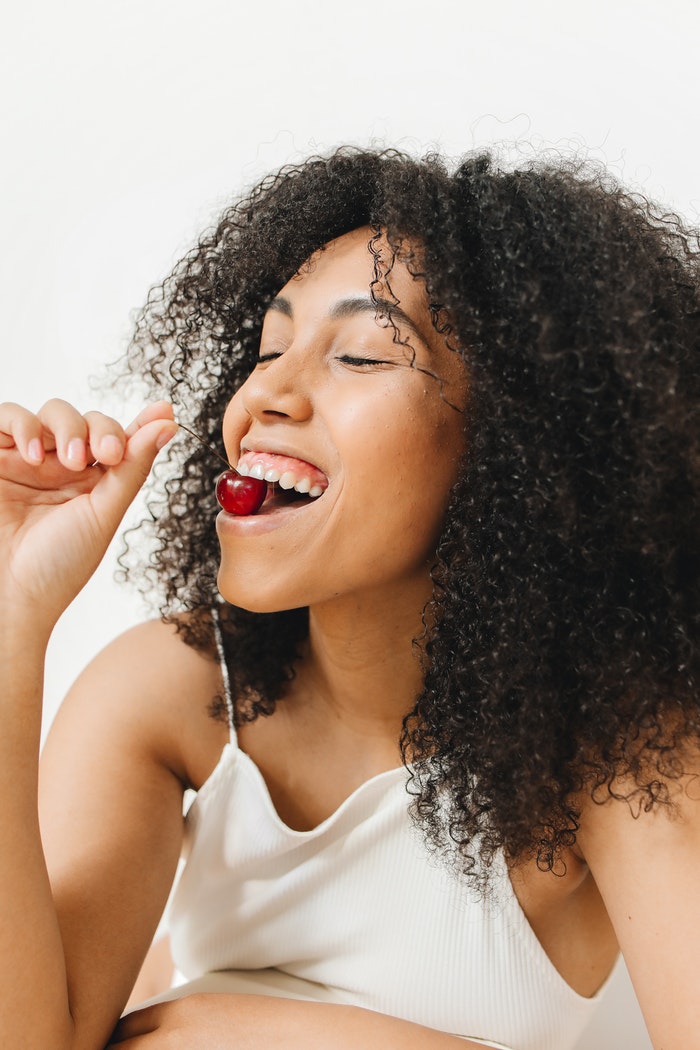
column 303, row 789
column 358, row 906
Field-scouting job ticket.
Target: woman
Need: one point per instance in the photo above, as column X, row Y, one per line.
column 488, row 381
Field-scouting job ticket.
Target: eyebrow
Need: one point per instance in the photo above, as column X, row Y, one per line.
column 352, row 306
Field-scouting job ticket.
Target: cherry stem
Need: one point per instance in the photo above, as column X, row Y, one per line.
column 206, row 445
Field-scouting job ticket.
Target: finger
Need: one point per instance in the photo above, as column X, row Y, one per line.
column 106, row 439
column 21, row 429
column 156, row 410
column 118, row 486
column 69, row 430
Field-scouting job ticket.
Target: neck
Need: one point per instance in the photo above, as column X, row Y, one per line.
column 362, row 664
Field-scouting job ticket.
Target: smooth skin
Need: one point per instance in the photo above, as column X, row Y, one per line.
column 134, row 731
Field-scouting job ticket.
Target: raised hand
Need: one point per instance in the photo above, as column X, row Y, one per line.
column 66, row 480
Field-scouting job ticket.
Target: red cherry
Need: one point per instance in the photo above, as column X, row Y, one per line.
column 238, row 494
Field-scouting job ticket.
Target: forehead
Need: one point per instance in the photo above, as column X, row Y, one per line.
column 363, row 256
column 360, row 274
column 359, row 269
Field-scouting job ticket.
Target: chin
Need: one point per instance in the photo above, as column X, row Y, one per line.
column 251, row 596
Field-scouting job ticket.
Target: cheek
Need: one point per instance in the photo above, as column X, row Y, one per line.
column 430, row 446
column 406, row 476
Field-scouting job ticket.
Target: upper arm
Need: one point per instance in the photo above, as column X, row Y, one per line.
column 646, row 868
column 111, row 785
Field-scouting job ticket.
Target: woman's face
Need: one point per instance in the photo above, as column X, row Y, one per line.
column 338, row 403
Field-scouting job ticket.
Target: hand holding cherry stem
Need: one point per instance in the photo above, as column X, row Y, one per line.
column 66, row 480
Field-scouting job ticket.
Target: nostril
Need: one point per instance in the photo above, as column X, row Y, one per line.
column 276, row 395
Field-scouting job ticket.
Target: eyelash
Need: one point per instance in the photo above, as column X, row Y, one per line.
column 347, row 359
column 361, row 362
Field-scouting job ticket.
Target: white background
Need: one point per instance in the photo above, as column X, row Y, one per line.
column 127, row 126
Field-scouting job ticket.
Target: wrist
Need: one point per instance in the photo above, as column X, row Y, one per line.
column 24, row 636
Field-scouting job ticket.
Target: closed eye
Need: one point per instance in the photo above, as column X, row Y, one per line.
column 362, row 362
column 346, row 359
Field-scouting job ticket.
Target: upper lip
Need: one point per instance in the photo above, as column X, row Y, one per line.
column 275, row 449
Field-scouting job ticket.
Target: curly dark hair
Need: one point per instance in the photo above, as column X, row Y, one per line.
column 563, row 654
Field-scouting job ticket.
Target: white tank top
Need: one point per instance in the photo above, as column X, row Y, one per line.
column 357, row 911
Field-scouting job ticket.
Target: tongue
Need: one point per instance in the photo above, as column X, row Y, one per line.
column 299, row 467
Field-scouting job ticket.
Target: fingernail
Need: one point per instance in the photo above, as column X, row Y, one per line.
column 35, row 450
column 75, row 453
column 164, row 437
column 111, row 447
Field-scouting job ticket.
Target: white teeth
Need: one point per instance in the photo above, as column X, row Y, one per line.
column 285, row 479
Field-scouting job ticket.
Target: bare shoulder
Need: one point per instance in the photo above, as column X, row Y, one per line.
column 633, row 842
column 152, row 691
column 644, row 861
column 624, row 812
column 131, row 735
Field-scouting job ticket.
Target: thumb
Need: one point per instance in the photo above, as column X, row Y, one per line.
column 118, row 487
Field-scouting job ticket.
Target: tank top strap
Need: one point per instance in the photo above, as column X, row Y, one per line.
column 218, row 635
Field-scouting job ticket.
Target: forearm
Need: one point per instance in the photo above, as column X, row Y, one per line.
column 327, row 1027
column 31, row 950
column 222, row 1021
column 357, row 1029
column 65, row 482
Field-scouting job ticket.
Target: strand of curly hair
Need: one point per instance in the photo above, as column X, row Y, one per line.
column 562, row 647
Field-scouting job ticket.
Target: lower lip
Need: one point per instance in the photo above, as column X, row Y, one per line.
column 257, row 524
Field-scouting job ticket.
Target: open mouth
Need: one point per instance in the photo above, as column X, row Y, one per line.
column 277, row 498
column 290, row 480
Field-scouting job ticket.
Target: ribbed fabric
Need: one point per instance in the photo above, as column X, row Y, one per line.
column 360, row 910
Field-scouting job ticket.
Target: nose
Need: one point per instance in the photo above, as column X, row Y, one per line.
column 278, row 388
